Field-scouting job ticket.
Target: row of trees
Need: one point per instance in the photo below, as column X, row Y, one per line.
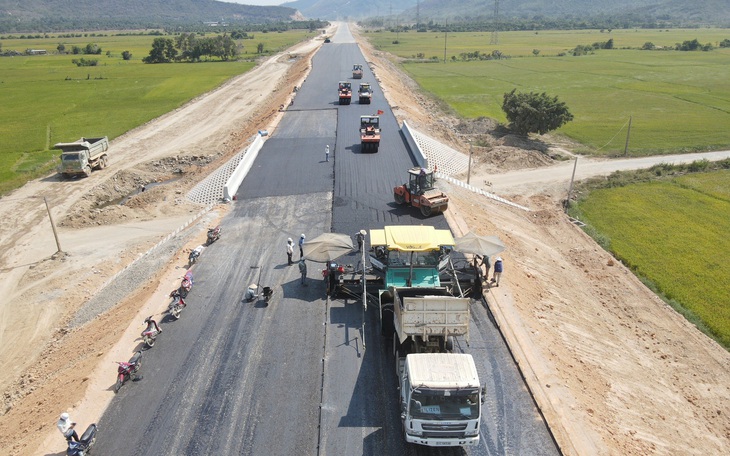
column 188, row 47
column 89, row 49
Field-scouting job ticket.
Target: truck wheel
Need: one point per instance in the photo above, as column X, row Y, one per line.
column 426, row 211
column 399, row 199
column 87, row 170
column 102, row 162
column 387, row 327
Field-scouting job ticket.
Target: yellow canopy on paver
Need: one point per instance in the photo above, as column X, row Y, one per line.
column 411, row 238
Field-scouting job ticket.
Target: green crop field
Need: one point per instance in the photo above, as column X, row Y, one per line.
column 674, row 233
column 46, row 99
column 677, row 100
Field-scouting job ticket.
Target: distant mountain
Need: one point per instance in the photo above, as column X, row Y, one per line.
column 93, row 14
column 349, row 9
column 696, row 11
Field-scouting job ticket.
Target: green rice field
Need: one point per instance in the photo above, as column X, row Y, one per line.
column 678, row 101
column 45, row 99
column 675, row 234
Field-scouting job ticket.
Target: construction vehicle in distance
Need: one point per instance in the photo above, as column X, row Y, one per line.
column 345, row 92
column 420, row 192
column 83, row 155
column 364, row 93
column 357, row 71
column 440, row 393
column 369, row 133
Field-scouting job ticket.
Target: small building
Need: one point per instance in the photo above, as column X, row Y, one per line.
column 36, row 51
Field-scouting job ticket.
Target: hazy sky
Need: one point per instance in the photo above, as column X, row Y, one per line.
column 257, row 2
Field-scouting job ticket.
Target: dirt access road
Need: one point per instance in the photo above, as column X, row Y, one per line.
column 615, row 370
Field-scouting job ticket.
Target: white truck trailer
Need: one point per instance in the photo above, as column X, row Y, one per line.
column 83, row 155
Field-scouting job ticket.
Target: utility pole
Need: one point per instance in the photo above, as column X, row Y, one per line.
column 495, row 32
column 628, row 133
column 446, row 34
column 418, row 13
column 570, row 189
column 53, row 226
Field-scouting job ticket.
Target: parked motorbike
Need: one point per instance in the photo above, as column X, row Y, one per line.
column 214, row 234
column 194, row 254
column 149, row 335
column 187, row 284
column 83, row 446
column 128, row 370
column 177, row 304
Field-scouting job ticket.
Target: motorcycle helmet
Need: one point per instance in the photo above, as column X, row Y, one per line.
column 64, row 416
column 289, row 241
column 303, row 236
column 147, row 320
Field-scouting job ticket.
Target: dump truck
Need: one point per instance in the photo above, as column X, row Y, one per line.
column 440, row 393
column 369, row 133
column 364, row 93
column 345, row 92
column 83, row 155
column 357, row 71
column 420, row 192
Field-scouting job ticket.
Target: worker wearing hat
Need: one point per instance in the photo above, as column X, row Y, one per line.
column 289, row 250
column 66, row 426
column 301, row 246
column 498, row 267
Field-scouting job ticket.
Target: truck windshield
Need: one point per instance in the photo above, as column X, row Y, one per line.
column 439, row 407
column 70, row 157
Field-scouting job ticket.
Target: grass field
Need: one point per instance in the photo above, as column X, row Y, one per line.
column 675, row 234
column 46, row 99
column 678, row 101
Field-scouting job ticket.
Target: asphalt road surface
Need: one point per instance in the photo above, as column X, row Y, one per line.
column 302, row 375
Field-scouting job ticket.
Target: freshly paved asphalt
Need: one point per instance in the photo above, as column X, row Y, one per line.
column 300, row 376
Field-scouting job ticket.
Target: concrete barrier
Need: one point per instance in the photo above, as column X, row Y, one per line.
column 243, row 168
column 413, row 145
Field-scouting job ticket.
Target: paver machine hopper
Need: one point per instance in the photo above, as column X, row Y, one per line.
column 420, row 192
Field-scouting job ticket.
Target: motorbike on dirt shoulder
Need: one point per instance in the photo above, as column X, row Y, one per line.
column 128, row 370
column 177, row 304
column 194, row 254
column 186, row 285
column 83, row 446
column 214, row 234
column 149, row 335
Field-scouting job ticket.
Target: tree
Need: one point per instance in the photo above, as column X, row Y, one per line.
column 61, row 48
column 260, row 48
column 163, row 51
column 126, row 55
column 534, row 112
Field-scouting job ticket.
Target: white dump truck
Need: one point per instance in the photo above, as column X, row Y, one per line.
column 81, row 156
